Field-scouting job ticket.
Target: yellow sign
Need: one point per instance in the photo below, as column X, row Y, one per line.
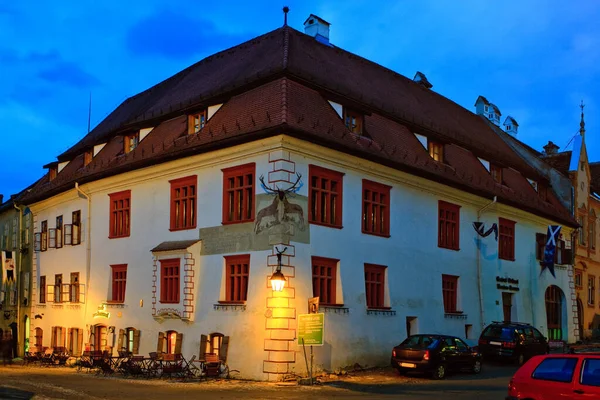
column 102, row 312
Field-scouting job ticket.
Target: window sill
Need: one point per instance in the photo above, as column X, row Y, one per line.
column 221, row 306
column 118, row 237
column 169, row 302
column 591, row 305
column 245, row 221
column 455, row 315
column 383, row 235
column 325, row 225
column 334, row 309
column 449, row 248
column 115, row 304
column 506, row 259
column 187, row 228
column 380, row 311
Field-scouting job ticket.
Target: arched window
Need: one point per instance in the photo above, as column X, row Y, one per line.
column 216, row 339
column 554, row 299
column 39, row 335
column 171, row 341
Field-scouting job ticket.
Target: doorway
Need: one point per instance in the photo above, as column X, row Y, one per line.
column 507, row 303
column 26, row 335
column 554, row 312
column 412, row 326
column 99, row 337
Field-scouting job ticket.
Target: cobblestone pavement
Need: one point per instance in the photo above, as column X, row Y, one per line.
column 37, row 383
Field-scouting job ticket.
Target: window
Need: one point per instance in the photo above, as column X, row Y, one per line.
column 27, row 228
column 353, row 121
column 119, row 282
column 236, row 278
column 450, row 293
column 52, row 172
column 560, row 254
column 578, row 279
column 375, row 285
column 436, row 150
column 14, row 233
column 324, row 273
column 506, row 242
column 486, row 108
column 508, row 127
column 129, row 340
column 169, row 281
column 592, row 230
column 75, row 341
column 216, row 339
column 74, row 290
column 325, row 196
column 87, row 157
column 120, row 205
column 196, row 122
column 496, row 173
column 591, row 290
column 131, row 142
column 238, row 194
column 44, row 236
column 542, row 191
column 42, row 289
column 57, row 288
column 76, row 222
column 183, row 203
column 590, row 375
column 555, row 369
column 59, row 232
column 39, row 336
column 448, row 225
column 215, row 343
column 582, row 230
column 376, row 208
column 170, row 342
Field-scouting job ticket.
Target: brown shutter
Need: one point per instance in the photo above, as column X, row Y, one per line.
column 70, row 344
column 120, row 340
column 63, row 338
column 136, row 341
column 224, row 349
column 49, row 293
column 161, row 342
column 190, row 124
column 203, row 343
column 178, row 343
column 53, row 337
column 80, row 340
column 93, row 338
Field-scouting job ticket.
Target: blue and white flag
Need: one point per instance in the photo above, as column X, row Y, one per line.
column 479, row 228
column 550, row 249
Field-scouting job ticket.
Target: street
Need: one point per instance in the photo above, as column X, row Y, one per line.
column 18, row 382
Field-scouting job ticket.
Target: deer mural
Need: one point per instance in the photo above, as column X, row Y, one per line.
column 280, row 209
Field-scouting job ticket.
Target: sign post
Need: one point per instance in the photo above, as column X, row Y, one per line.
column 310, row 331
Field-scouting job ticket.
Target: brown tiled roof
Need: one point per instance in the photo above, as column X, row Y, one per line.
column 559, row 161
column 174, row 245
column 298, row 76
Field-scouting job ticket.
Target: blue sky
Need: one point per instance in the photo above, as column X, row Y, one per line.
column 536, row 60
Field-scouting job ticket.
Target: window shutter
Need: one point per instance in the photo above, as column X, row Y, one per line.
column 49, row 293
column 52, row 238
column 120, row 340
column 136, row 341
column 64, row 292
column 81, row 293
column 59, row 238
column 37, row 242
column 568, row 256
column 80, row 237
column 70, row 344
column 161, row 342
column 224, row 349
column 76, row 235
column 53, row 337
column 203, row 344
column 178, row 343
column 80, row 341
column 68, row 234
column 63, row 338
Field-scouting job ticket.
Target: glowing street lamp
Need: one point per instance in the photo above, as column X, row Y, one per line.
column 277, row 279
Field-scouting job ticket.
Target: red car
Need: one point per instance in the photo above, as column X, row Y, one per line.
column 557, row 376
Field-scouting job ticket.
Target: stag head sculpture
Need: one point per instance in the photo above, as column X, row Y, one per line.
column 280, row 208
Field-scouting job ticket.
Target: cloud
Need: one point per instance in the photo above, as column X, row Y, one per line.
column 177, row 36
column 68, row 73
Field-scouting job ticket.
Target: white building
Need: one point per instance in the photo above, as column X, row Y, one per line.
column 169, row 237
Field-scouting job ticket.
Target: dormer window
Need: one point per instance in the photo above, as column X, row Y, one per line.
column 353, row 121
column 486, row 108
column 496, row 173
column 87, row 157
column 508, row 127
column 436, row 150
column 542, row 191
column 131, row 142
column 196, row 122
column 52, row 172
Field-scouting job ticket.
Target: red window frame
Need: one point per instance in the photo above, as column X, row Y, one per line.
column 376, row 208
column 119, row 282
column 169, row 280
column 324, row 193
column 448, row 225
column 450, row 293
column 237, row 272
column 238, row 194
column 120, row 214
column 375, row 285
column 506, row 239
column 324, row 274
column 183, row 203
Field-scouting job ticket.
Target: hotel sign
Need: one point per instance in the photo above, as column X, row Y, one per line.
column 102, row 312
column 310, row 329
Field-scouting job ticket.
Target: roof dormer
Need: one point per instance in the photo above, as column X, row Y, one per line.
column 88, row 155
column 196, row 121
column 130, row 142
column 488, row 110
column 318, row 28
column 511, row 126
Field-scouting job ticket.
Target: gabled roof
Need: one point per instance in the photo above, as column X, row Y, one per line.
column 279, row 83
column 496, row 109
column 510, row 120
column 482, row 99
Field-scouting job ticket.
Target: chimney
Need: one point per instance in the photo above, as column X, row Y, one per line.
column 550, row 148
column 318, row 28
column 511, row 126
column 421, row 79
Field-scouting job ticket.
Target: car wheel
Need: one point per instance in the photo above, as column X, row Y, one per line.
column 476, row 367
column 439, row 372
column 520, row 359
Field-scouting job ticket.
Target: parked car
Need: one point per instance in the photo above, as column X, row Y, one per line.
column 557, row 376
column 436, row 355
column 513, row 341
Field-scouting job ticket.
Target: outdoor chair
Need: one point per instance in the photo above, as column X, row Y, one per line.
column 48, row 357
column 212, row 365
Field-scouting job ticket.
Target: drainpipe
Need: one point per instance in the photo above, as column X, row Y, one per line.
column 88, row 256
column 479, row 275
column 18, row 274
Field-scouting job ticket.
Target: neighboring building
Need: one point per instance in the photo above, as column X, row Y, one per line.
column 585, row 178
column 159, row 230
column 15, row 272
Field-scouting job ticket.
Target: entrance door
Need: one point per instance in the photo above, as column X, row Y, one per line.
column 554, row 308
column 580, row 318
column 99, row 337
column 507, row 305
column 26, row 335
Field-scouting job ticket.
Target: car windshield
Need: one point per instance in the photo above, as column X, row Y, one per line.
column 499, row 332
column 420, row 342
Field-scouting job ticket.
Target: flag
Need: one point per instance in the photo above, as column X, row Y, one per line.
column 550, row 249
column 479, row 228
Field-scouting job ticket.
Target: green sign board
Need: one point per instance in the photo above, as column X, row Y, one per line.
column 310, row 329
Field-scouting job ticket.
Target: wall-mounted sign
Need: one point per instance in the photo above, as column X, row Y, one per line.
column 507, row 283
column 102, row 312
column 310, row 329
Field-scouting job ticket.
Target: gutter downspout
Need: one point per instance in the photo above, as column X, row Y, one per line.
column 479, row 277
column 18, row 274
column 88, row 256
